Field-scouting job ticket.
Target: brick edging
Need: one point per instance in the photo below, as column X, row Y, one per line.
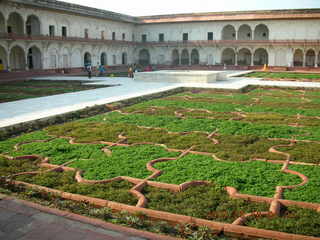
column 93, row 221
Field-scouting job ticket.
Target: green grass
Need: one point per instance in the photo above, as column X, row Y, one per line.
column 225, row 127
column 208, row 202
column 124, row 161
column 269, row 114
column 284, row 75
column 33, row 88
column 114, row 191
column 255, row 178
column 308, row 192
column 294, row 220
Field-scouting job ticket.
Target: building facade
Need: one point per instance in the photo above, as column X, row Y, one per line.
column 48, row 34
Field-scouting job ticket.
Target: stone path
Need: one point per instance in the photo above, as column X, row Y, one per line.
column 31, row 109
column 20, row 220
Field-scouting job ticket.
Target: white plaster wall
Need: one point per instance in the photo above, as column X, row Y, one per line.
column 278, row 29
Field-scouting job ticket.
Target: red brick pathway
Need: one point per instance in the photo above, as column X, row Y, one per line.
column 21, row 220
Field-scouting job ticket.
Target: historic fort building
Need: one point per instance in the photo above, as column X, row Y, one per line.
column 48, row 34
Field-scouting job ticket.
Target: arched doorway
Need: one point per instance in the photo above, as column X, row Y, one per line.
column 210, row 60
column 310, row 58
column 175, row 57
column 17, row 58
column 2, row 23
column 33, row 26
column 298, row 58
column 15, row 23
column 245, row 32
column 195, row 57
column 65, row 58
column 34, row 58
column 3, row 57
column 124, row 58
column 76, row 61
column 144, row 57
column 185, row 57
column 87, row 59
column 260, row 57
column 229, row 33
column 103, row 59
column 261, row 32
column 228, row 56
column 244, row 57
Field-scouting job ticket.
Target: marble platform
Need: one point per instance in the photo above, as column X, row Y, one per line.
column 181, row 76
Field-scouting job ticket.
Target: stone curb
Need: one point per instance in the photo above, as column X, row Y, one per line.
column 227, row 229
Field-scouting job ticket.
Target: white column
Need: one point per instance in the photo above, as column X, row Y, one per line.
column 236, row 60
column 316, row 59
column 304, row 59
column 252, row 56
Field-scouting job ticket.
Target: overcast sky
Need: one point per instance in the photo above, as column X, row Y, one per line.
column 155, row 7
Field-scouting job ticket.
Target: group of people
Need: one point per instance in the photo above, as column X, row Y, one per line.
column 102, row 70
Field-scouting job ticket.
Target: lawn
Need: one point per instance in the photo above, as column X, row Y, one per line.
column 287, row 76
column 14, row 91
column 239, row 140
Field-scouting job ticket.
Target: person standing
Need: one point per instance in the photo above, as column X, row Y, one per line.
column 1, row 66
column 130, row 72
column 89, row 70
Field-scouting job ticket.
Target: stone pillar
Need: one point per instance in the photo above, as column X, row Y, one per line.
column 304, row 59
column 252, row 60
column 236, row 59
column 8, row 60
column 316, row 59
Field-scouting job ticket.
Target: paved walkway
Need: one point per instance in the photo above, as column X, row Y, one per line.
column 20, row 220
column 36, row 108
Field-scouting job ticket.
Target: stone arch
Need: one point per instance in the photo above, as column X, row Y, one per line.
column 261, row 32
column 65, row 58
column 87, row 59
column 195, row 57
column 175, row 57
column 298, row 58
column 34, row 58
column 3, row 57
column 103, row 59
column 244, row 32
column 33, row 25
column 261, row 57
column 185, row 57
column 2, row 23
column 310, row 58
column 53, row 58
column 144, row 57
column 76, row 57
column 228, row 56
column 15, row 23
column 229, row 33
column 17, row 58
column 124, row 58
column 244, row 57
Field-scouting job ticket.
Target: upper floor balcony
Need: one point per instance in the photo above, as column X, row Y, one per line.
column 26, row 37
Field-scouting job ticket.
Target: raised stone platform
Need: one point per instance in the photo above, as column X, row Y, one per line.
column 181, row 76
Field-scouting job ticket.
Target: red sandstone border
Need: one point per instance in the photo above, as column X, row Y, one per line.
column 228, row 229
column 275, row 203
column 93, row 221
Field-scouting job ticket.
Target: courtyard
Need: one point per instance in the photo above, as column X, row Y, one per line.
column 215, row 157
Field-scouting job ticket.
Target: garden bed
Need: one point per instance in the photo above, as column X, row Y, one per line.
column 14, row 91
column 286, row 76
column 227, row 158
